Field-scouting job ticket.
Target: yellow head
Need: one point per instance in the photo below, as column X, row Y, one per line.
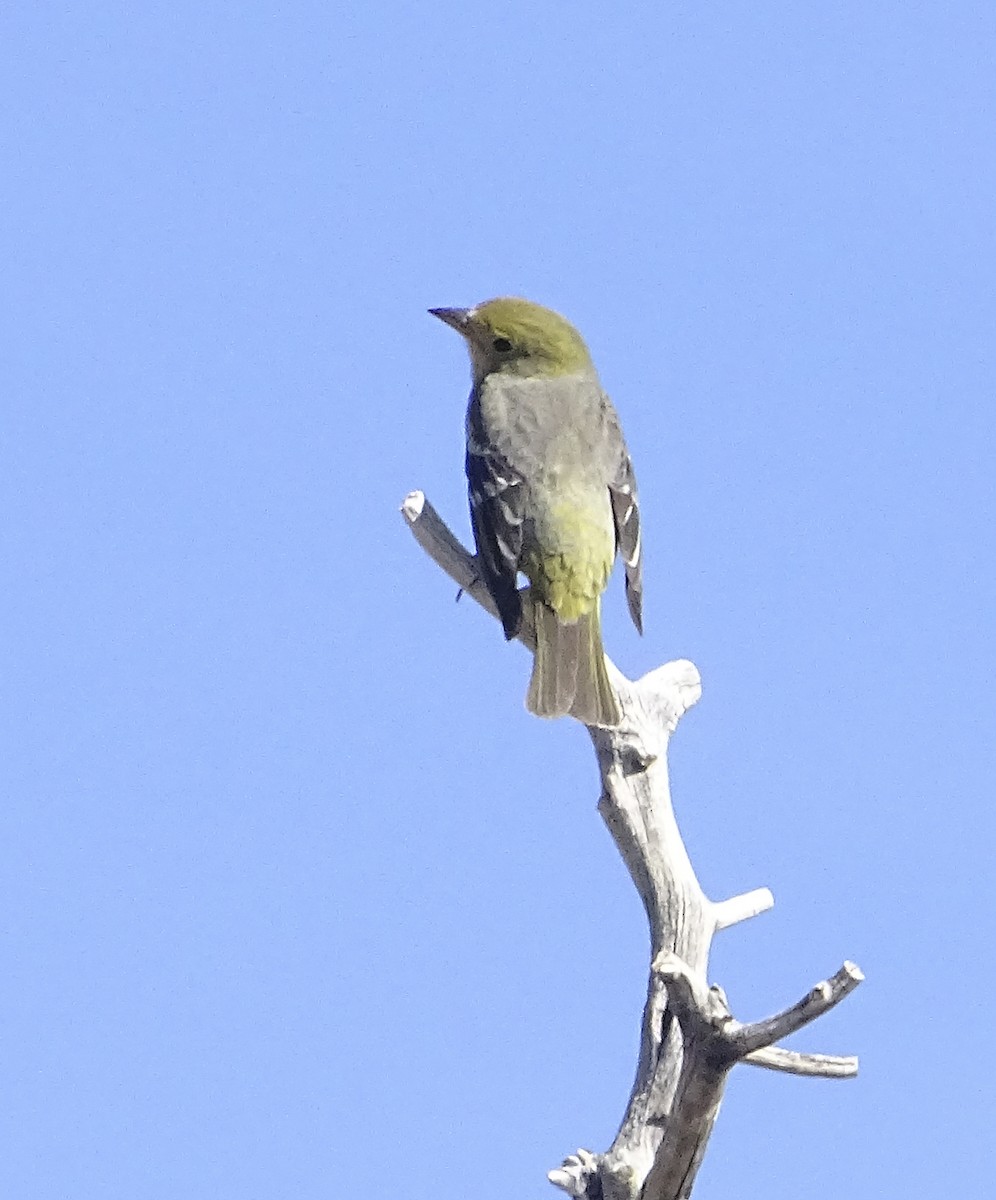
column 516, row 337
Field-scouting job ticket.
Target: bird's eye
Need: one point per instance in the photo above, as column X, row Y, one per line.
column 502, row 345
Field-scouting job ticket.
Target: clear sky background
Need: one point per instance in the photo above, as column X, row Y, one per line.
column 296, row 900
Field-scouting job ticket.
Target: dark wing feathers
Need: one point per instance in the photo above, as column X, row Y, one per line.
column 496, row 513
column 626, row 515
column 497, row 506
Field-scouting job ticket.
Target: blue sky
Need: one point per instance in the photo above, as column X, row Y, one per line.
column 296, row 898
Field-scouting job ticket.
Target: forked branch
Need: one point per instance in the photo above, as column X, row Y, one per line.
column 690, row 1040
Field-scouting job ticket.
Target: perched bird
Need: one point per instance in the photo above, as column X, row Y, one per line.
column 552, row 494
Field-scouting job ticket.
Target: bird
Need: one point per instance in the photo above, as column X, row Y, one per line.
column 552, row 495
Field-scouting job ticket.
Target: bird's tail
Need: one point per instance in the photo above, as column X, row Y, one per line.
column 569, row 675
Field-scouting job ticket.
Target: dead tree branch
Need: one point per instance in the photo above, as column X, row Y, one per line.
column 690, row 1040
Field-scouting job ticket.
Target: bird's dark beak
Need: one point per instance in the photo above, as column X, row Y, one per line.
column 456, row 318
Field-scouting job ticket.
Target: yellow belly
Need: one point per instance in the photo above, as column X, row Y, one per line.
column 568, row 558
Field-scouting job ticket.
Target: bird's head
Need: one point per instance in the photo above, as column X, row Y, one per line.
column 516, row 337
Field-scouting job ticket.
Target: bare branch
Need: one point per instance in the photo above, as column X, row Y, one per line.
column 822, row 1066
column 742, row 908
column 701, row 1011
column 823, row 997
column 438, row 541
column 575, row 1174
column 689, row 1040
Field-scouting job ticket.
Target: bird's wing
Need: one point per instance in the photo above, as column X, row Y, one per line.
column 626, row 515
column 497, row 501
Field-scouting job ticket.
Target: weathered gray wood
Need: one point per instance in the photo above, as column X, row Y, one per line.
column 827, row 1066
column 689, row 1039
column 745, row 1039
